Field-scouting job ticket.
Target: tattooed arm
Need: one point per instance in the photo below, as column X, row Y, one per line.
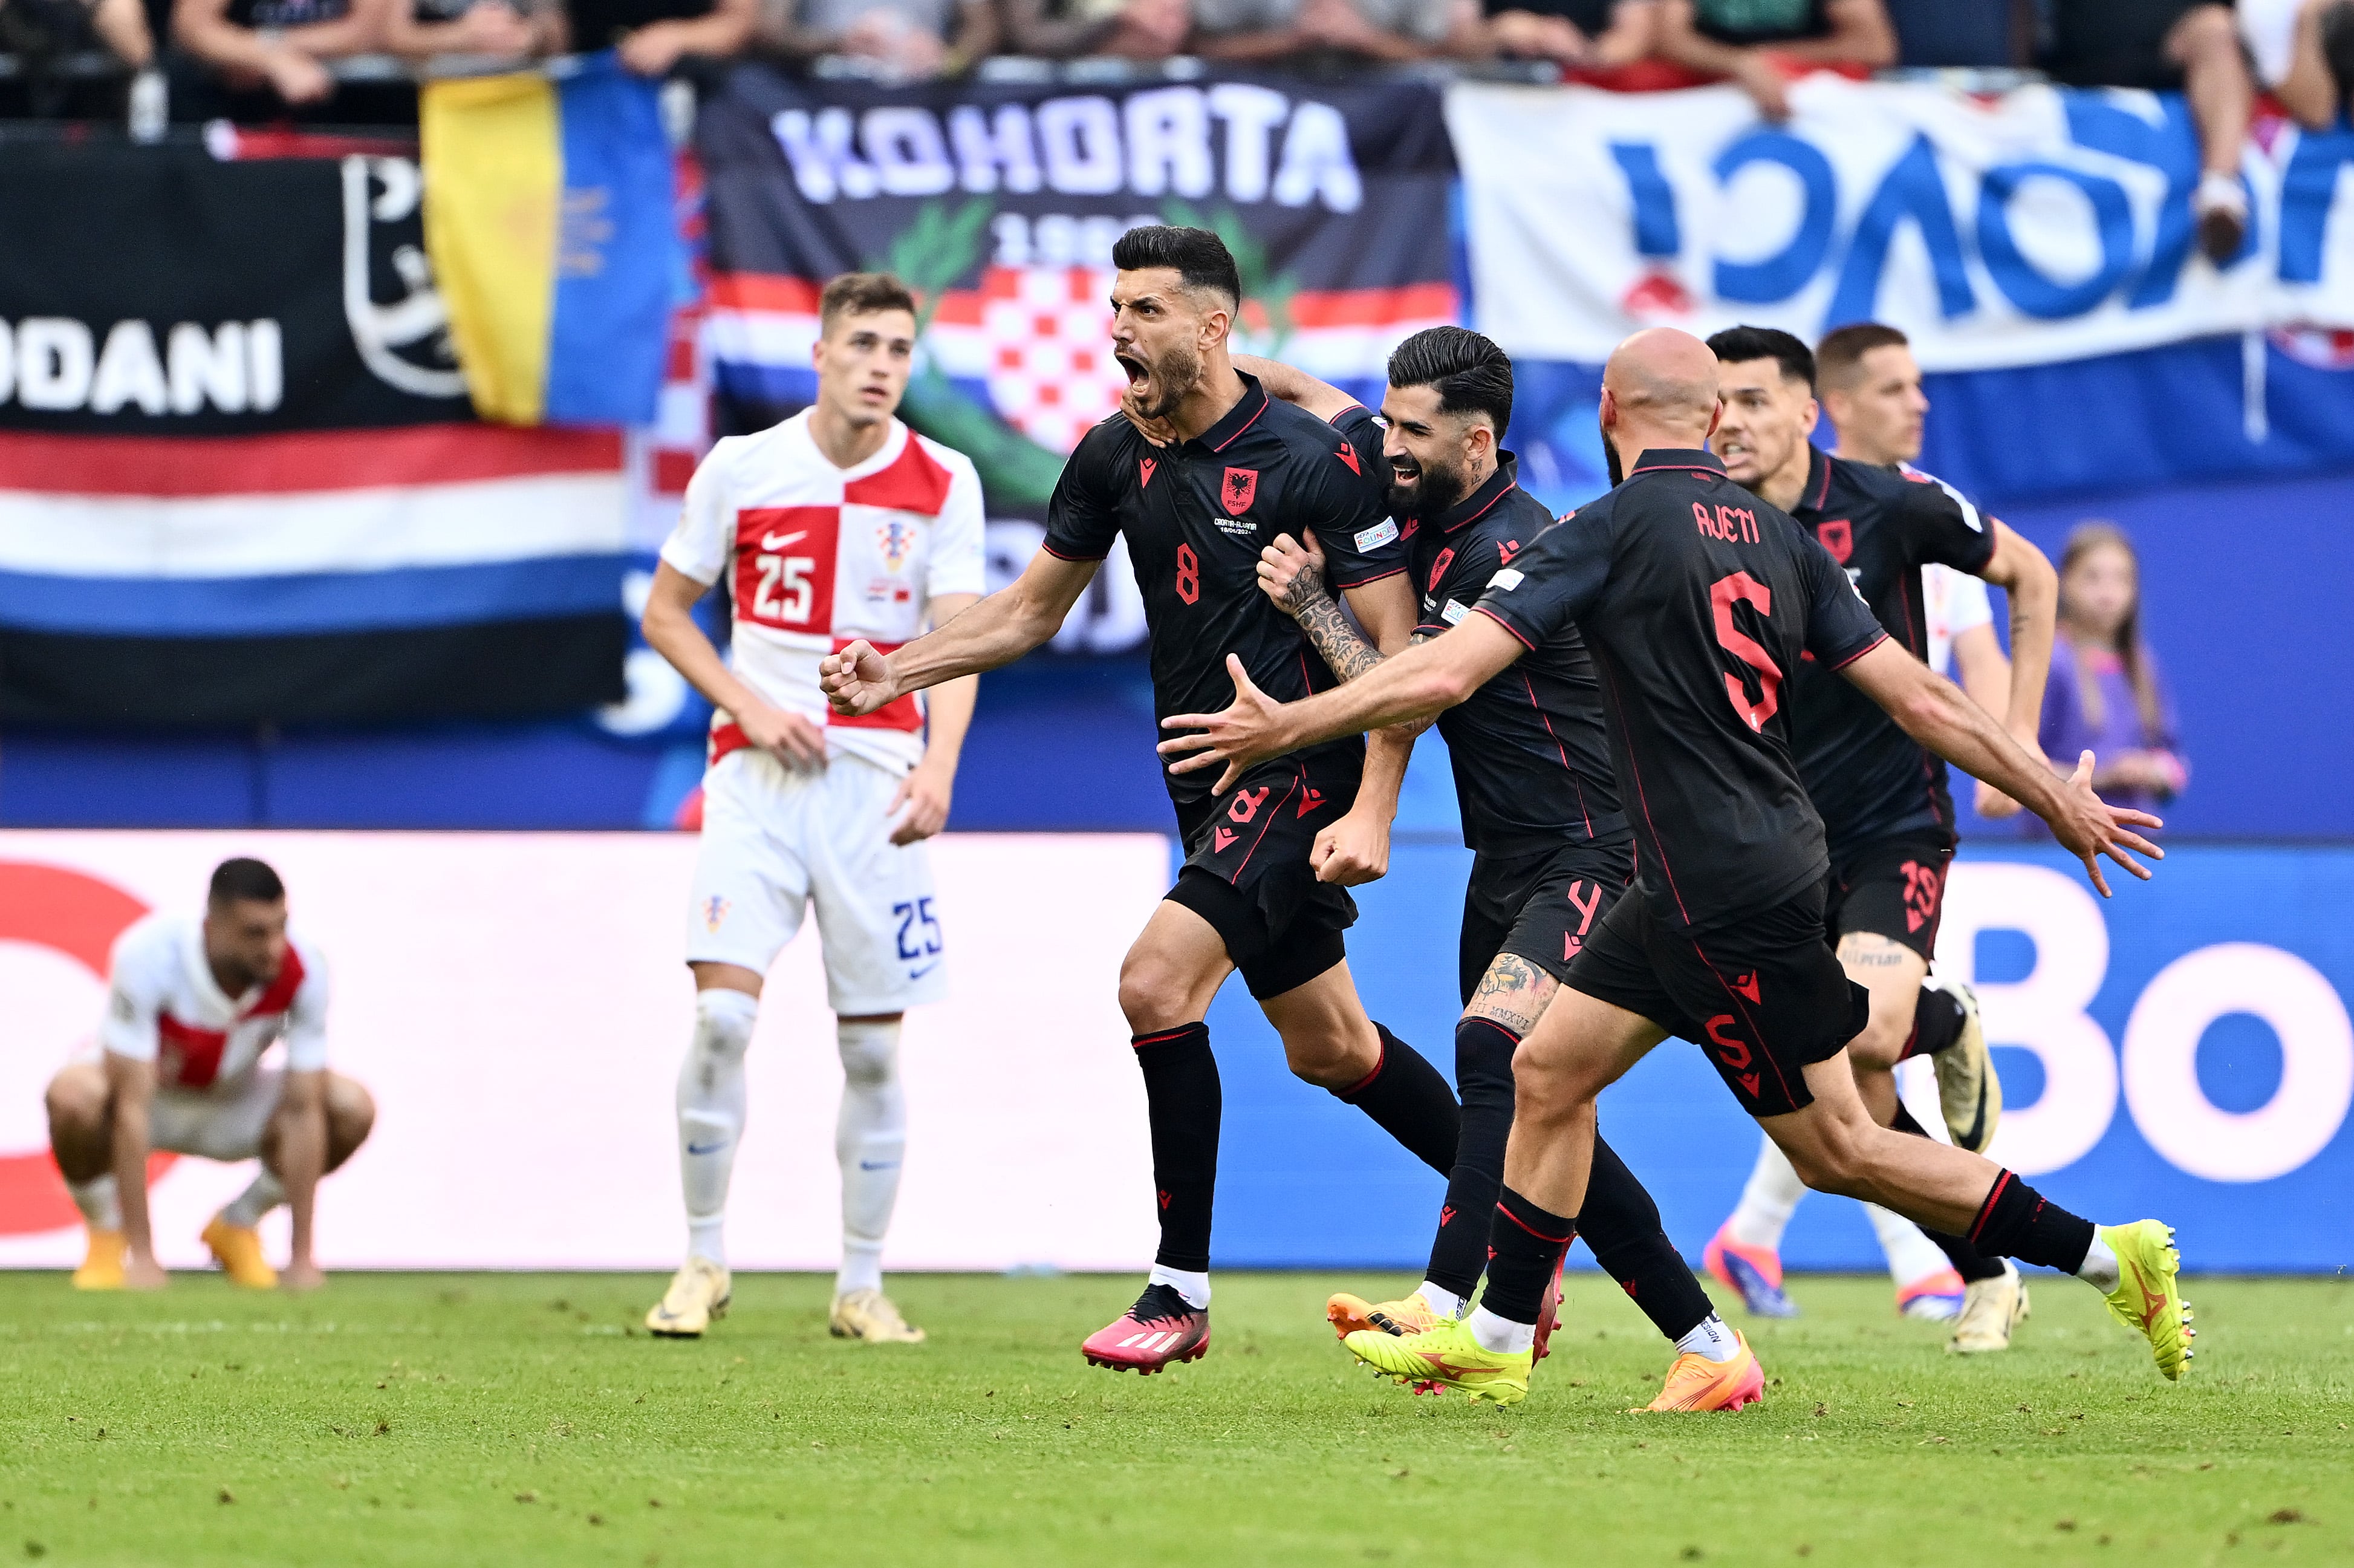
column 1293, row 577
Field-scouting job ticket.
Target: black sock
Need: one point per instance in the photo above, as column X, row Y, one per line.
column 1937, row 1024
column 1181, row 1095
column 1483, row 1076
column 1621, row 1223
column 1526, row 1245
column 1407, row 1100
column 2016, row 1222
column 1967, row 1261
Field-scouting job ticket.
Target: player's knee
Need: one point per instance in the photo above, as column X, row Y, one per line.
column 2206, row 31
column 1335, row 1058
column 1546, row 1085
column 722, row 1028
column 1830, row 1161
column 870, row 1052
column 76, row 1101
column 1151, row 993
column 351, row 1117
column 1882, row 1043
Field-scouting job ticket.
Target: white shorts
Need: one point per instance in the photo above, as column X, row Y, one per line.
column 774, row 837
column 218, row 1124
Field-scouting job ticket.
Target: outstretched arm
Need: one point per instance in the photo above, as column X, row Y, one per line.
column 998, row 631
column 1356, row 849
column 1934, row 711
column 1282, row 381
column 1420, row 683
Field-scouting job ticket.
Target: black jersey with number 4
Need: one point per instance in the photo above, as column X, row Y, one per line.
column 1697, row 600
column 1532, row 765
column 1869, row 778
column 1197, row 514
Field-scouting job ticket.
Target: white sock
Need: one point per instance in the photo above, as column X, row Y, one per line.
column 1501, row 1334
column 1911, row 1254
column 101, row 1204
column 711, row 1114
column 261, row 1195
column 1194, row 1287
column 870, row 1141
column 1768, row 1200
column 1711, row 1339
column 1444, row 1302
column 2099, row 1264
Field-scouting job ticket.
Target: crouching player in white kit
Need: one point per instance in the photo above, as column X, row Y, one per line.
column 837, row 525
column 192, row 1003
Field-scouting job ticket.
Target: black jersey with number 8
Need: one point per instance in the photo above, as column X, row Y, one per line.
column 1197, row 514
column 1697, row 602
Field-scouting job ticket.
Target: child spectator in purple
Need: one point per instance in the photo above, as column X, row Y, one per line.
column 2107, row 692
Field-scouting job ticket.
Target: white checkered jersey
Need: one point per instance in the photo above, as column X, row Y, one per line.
column 164, row 1006
column 816, row 556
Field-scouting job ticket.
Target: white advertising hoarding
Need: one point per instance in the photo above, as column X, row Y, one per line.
column 518, row 1005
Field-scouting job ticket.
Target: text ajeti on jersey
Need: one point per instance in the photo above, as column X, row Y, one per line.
column 1733, row 525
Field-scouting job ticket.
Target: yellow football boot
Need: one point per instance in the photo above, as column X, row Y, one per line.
column 1445, row 1356
column 2149, row 1296
column 238, row 1250
column 1351, row 1314
column 698, row 1293
column 101, row 1269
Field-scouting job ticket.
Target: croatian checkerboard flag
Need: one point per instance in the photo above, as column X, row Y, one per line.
column 1000, row 203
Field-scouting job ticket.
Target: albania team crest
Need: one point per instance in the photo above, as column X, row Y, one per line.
column 1240, row 489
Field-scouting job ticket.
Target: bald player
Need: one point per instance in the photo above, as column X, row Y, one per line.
column 1696, row 599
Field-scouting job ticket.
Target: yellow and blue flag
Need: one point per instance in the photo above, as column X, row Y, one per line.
column 549, row 217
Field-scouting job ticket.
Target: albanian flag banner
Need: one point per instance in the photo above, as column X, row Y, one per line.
column 999, row 203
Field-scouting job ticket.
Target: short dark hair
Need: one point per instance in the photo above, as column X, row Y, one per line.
column 1470, row 373
column 1841, row 352
column 862, row 295
column 1200, row 258
column 235, row 880
column 1739, row 345
column 2337, row 49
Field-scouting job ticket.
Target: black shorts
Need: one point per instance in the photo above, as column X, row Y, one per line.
column 1891, row 887
column 1247, row 870
column 1542, row 907
column 1764, row 996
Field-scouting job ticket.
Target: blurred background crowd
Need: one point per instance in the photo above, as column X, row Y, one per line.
column 351, row 60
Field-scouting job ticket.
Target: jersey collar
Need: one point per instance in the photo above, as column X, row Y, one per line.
column 1237, row 419
column 1483, row 501
column 1698, row 457
column 1817, row 488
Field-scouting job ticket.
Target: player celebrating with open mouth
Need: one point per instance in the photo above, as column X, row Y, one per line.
column 1695, row 599
column 1196, row 514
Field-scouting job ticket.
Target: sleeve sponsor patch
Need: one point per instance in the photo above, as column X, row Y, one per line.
column 1379, row 533
column 1507, row 580
column 1455, row 611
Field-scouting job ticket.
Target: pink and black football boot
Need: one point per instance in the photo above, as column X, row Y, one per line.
column 1160, row 1329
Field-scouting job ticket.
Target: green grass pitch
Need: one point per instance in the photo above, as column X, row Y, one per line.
column 446, row 1420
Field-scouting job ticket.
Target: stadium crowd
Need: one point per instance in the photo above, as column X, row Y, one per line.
column 258, row 58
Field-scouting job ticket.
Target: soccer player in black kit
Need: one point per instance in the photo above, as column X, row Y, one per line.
column 1696, row 599
column 1197, row 513
column 1552, row 850
column 1887, row 812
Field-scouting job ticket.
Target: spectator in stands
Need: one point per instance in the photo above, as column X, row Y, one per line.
column 2304, row 55
column 1751, row 41
column 282, row 45
column 2106, row 693
column 497, row 29
column 653, row 35
column 44, row 29
column 1592, row 34
column 1357, row 30
column 2170, row 44
column 1134, row 29
column 905, row 40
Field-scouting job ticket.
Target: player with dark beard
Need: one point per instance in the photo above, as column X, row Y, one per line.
column 1551, row 852
column 1695, row 599
column 1196, row 514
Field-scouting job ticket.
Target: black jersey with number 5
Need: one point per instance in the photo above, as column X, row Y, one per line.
column 1697, row 600
column 1197, row 514
column 1869, row 778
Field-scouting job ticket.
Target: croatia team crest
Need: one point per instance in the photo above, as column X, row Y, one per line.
column 715, row 913
column 894, row 540
column 1240, row 489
